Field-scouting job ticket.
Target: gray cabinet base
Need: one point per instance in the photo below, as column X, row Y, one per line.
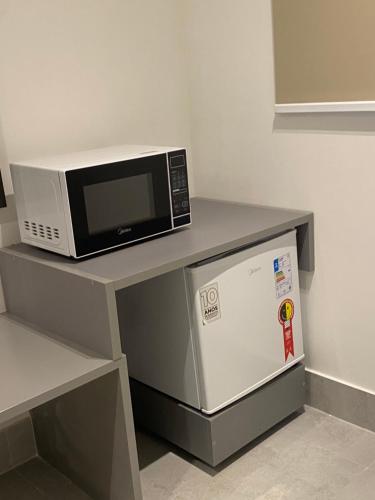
column 87, row 434
column 215, row 438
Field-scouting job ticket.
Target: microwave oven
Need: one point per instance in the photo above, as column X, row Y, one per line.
column 91, row 201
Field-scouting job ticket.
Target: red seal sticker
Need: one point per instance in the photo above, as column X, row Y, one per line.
column 286, row 313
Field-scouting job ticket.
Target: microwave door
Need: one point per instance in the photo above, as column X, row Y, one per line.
column 116, row 204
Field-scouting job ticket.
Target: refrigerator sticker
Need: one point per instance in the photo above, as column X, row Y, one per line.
column 210, row 304
column 282, row 270
column 286, row 313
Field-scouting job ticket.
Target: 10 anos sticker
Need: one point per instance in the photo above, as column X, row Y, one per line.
column 210, row 303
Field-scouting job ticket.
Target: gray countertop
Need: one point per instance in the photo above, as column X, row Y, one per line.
column 217, row 227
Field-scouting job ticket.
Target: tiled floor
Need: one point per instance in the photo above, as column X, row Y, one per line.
column 36, row 480
column 312, row 456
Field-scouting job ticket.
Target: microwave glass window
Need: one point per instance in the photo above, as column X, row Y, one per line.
column 119, row 203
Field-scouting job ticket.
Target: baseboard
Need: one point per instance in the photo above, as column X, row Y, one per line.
column 340, row 400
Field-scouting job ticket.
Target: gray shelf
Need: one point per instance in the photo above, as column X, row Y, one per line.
column 77, row 302
column 70, row 395
column 35, row 368
column 217, row 227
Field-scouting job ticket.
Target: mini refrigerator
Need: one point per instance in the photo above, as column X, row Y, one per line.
column 211, row 333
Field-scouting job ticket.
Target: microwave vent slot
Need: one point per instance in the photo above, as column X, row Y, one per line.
column 41, row 232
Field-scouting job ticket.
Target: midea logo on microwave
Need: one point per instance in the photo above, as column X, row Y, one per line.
column 123, row 230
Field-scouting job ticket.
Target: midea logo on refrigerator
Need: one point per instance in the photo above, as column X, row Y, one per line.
column 254, row 270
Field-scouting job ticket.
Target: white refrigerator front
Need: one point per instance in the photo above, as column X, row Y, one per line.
column 246, row 320
column 209, row 334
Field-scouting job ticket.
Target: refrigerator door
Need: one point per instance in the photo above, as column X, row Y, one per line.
column 246, row 319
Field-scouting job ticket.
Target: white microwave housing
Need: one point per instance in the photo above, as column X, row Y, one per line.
column 42, row 198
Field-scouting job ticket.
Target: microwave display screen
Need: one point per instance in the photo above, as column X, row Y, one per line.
column 119, row 203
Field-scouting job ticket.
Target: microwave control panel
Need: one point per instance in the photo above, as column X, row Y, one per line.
column 179, row 183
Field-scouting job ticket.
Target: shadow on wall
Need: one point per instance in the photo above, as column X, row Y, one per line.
column 9, row 232
column 4, row 166
column 305, row 279
column 339, row 123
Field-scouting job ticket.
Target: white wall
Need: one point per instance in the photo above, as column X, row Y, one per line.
column 240, row 154
column 79, row 74
column 87, row 73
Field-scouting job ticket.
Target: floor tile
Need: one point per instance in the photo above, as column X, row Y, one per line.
column 313, row 456
column 14, row 487
column 49, row 481
column 36, row 480
column 361, row 488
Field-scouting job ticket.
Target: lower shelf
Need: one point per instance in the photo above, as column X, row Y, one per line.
column 37, row 480
column 214, row 438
